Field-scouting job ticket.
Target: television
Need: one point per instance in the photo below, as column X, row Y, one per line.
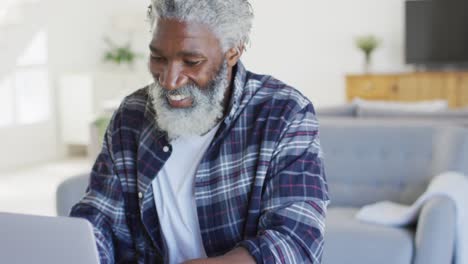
column 436, row 32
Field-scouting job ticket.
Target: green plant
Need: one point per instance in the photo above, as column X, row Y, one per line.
column 101, row 124
column 367, row 44
column 120, row 54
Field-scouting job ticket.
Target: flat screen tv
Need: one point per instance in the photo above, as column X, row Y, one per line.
column 436, row 32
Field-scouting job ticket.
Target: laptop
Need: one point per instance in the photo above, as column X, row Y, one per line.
column 41, row 239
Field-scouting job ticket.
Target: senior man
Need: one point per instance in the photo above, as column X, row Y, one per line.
column 210, row 163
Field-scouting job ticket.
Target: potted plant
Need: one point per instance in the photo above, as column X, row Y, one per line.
column 120, row 54
column 367, row 44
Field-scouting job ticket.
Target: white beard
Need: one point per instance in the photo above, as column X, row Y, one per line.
column 207, row 107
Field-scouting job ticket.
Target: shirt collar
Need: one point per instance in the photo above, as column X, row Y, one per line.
column 240, row 79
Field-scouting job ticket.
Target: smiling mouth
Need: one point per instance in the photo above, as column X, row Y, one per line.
column 179, row 101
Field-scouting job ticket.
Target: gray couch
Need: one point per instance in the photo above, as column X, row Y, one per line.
column 362, row 111
column 69, row 192
column 369, row 161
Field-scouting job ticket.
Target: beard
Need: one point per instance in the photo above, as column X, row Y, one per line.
column 206, row 110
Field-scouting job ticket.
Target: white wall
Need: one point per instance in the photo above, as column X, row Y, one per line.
column 78, row 27
column 306, row 43
column 310, row 43
column 77, row 31
column 75, row 42
column 27, row 144
column 22, row 145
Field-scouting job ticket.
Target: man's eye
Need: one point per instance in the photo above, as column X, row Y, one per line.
column 156, row 58
column 192, row 63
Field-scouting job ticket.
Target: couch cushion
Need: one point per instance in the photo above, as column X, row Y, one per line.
column 347, row 110
column 371, row 161
column 446, row 116
column 69, row 192
column 397, row 106
column 348, row 240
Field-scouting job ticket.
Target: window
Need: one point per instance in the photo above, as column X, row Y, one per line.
column 32, row 95
column 25, row 92
column 36, row 52
column 6, row 102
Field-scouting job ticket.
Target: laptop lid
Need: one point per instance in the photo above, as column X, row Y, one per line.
column 42, row 239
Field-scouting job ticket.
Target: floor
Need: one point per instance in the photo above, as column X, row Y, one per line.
column 32, row 190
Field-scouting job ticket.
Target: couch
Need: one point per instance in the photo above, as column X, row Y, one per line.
column 370, row 110
column 368, row 161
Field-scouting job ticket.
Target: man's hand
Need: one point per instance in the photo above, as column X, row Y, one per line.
column 237, row 255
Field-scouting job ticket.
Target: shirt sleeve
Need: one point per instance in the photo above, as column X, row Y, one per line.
column 103, row 204
column 292, row 222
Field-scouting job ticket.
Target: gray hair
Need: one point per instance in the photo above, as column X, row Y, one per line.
column 230, row 20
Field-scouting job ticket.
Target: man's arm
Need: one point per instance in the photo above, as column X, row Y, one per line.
column 292, row 224
column 103, row 203
column 237, row 255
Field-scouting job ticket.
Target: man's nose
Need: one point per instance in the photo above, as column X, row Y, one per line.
column 172, row 77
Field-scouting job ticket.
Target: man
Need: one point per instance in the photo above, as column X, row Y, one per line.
column 210, row 163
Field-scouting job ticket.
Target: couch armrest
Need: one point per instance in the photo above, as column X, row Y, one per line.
column 435, row 232
column 346, row 110
column 69, row 192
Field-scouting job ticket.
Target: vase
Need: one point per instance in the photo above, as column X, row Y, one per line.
column 367, row 63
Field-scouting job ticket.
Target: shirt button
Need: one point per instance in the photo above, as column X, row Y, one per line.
column 166, row 149
column 140, row 195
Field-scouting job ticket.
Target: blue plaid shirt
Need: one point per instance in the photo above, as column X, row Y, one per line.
column 261, row 184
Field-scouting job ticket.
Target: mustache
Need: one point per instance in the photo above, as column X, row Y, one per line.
column 189, row 89
column 186, row 90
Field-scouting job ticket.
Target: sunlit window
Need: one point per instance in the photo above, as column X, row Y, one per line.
column 25, row 96
column 6, row 101
column 32, row 96
column 11, row 11
column 36, row 52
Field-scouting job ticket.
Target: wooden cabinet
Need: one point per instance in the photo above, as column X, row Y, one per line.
column 462, row 91
column 410, row 87
column 371, row 87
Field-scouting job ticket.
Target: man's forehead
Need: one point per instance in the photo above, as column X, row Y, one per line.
column 189, row 52
column 182, row 29
column 189, row 37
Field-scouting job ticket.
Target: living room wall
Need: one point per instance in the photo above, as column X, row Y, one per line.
column 77, row 32
column 306, row 43
column 310, row 43
column 25, row 143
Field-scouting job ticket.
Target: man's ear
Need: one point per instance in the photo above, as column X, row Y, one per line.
column 233, row 55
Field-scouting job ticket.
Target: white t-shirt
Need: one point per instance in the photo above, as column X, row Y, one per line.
column 175, row 198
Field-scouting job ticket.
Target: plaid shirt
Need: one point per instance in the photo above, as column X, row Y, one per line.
column 260, row 185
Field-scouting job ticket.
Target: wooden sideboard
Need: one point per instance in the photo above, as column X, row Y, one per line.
column 410, row 87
